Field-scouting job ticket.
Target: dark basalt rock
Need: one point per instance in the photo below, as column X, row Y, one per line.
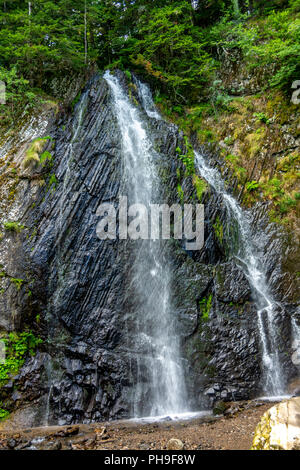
column 232, row 285
column 86, row 372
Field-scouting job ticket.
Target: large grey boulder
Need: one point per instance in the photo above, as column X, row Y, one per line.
column 279, row 428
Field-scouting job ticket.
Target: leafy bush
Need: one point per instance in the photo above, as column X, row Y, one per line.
column 252, row 185
column 188, row 158
column 262, row 117
column 205, row 306
column 45, row 158
column 52, row 182
column 18, row 346
column 17, row 93
column 3, row 414
column 200, row 185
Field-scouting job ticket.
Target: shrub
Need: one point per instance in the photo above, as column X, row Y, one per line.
column 252, row 185
column 46, row 157
column 3, row 414
column 200, row 185
column 18, row 346
column 205, row 306
column 262, row 117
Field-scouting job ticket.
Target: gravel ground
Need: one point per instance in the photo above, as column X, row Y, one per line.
column 231, row 432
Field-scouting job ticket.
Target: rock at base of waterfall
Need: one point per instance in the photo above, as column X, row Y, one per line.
column 294, row 387
column 279, row 428
column 175, row 444
column 219, row 408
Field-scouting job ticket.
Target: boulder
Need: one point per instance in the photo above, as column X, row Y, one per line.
column 219, row 408
column 294, row 387
column 279, row 428
column 175, row 444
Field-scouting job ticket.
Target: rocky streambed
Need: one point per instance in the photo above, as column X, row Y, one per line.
column 233, row 430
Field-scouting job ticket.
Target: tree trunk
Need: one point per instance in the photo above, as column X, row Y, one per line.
column 85, row 33
column 236, row 8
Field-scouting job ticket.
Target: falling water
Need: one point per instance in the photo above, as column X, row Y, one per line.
column 296, row 342
column 251, row 265
column 160, row 386
column 147, row 101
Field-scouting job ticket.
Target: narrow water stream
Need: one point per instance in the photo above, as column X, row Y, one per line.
column 248, row 260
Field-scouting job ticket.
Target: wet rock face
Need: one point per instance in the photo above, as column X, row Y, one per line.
column 83, row 276
column 223, row 350
column 78, row 282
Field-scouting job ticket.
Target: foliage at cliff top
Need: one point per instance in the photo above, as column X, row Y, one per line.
column 176, row 44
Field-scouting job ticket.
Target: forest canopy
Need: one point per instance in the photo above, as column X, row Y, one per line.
column 177, row 45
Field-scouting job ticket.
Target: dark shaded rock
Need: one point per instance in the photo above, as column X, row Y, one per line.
column 231, row 284
column 220, row 408
column 53, row 445
column 11, row 443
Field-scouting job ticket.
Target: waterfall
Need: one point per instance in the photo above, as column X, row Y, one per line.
column 147, row 101
column 296, row 342
column 160, row 385
column 250, row 263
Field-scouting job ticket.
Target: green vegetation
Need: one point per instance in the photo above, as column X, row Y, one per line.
column 3, row 414
column 52, row 183
column 187, row 158
column 176, row 46
column 17, row 282
column 180, row 193
column 13, row 226
column 14, row 280
column 32, row 158
column 18, row 346
column 200, row 185
column 252, row 185
column 205, row 306
column 255, row 151
column 45, row 158
column 218, row 228
column 18, row 92
column 184, row 50
column 262, row 118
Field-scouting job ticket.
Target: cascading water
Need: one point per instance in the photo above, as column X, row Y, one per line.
column 147, row 101
column 250, row 264
column 160, row 386
column 296, row 342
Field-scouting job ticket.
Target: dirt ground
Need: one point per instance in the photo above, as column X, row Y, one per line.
column 233, row 431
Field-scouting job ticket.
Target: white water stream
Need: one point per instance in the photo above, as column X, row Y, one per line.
column 248, row 260
column 160, row 385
